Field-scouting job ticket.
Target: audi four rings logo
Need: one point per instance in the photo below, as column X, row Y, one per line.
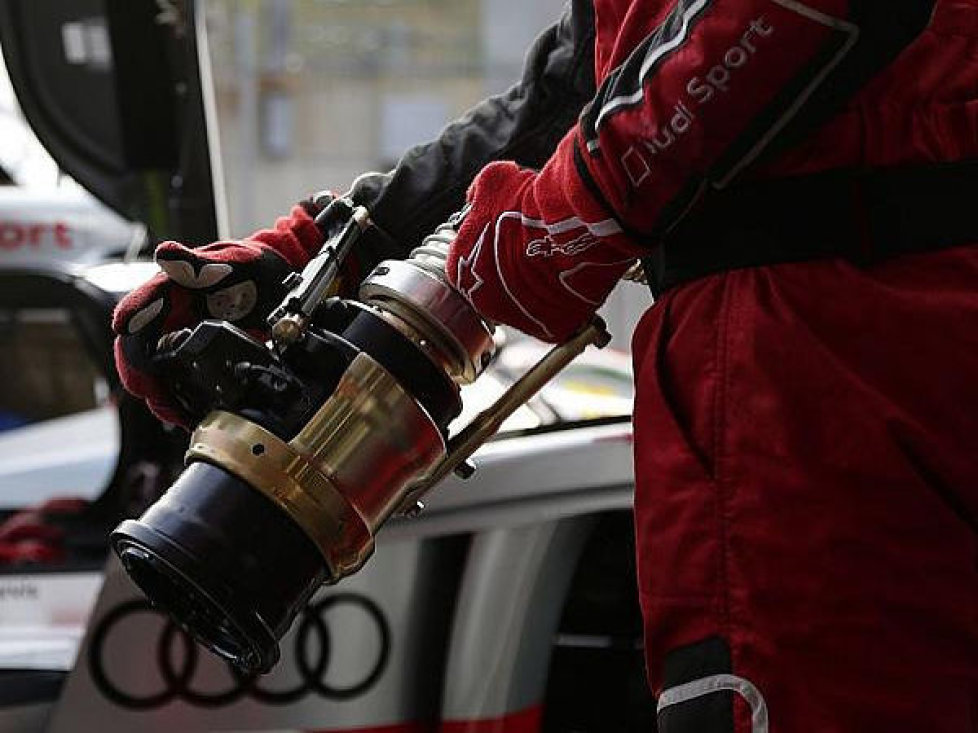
column 311, row 660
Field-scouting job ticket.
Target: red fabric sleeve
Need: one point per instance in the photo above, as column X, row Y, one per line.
column 696, row 97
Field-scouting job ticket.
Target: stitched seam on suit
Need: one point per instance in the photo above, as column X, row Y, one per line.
column 665, row 388
column 704, row 686
column 720, row 456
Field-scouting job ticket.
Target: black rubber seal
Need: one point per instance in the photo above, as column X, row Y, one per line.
column 417, row 373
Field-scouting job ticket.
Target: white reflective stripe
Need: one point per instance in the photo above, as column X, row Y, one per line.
column 657, row 53
column 819, row 17
column 603, row 228
column 719, row 683
column 502, row 278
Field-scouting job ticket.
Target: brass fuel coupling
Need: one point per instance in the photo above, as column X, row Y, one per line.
column 307, row 444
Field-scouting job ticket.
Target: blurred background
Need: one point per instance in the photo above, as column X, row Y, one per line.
column 311, row 93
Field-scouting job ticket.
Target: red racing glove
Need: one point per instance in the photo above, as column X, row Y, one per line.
column 538, row 251
column 691, row 96
column 236, row 281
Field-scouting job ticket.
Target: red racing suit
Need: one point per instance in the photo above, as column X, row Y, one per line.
column 805, row 432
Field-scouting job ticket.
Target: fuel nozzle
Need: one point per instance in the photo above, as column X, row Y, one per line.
column 314, row 440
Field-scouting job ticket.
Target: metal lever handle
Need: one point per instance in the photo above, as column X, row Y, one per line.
column 487, row 422
column 308, row 289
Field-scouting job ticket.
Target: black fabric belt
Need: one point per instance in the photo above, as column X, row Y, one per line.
column 864, row 217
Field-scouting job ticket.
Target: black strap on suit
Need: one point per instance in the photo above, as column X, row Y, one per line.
column 863, row 217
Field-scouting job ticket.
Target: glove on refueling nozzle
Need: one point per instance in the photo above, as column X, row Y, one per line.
column 309, row 443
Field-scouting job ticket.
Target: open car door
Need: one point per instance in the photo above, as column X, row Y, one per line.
column 112, row 89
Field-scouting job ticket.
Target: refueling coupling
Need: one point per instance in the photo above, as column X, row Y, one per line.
column 310, row 442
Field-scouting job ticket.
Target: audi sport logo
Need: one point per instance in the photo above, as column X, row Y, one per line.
column 177, row 657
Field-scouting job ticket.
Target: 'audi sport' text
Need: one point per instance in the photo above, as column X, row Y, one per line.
column 702, row 90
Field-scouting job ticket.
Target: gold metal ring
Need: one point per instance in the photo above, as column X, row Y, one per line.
column 291, row 482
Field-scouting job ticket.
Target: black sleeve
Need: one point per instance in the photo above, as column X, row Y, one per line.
column 524, row 124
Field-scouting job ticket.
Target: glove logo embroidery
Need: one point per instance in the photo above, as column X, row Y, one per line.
column 548, row 246
column 233, row 303
column 467, row 280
